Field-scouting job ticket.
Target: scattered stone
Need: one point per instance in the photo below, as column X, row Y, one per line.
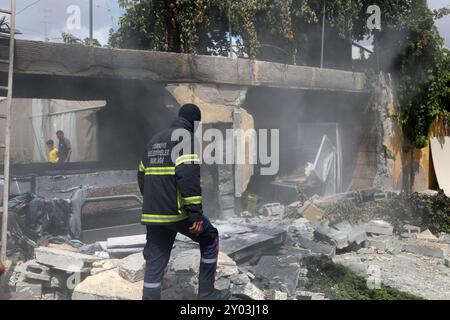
column 250, row 245
column 426, row 235
column 239, row 279
column 311, row 212
column 123, row 252
column 222, row 284
column 444, row 238
column 33, row 288
column 307, row 295
column 246, row 214
column 226, row 266
column 384, row 243
column 108, row 285
column 232, row 229
column 276, row 295
column 379, row 227
column 64, row 260
column 316, row 247
column 33, row 270
column 279, row 272
column 273, row 209
column 132, row 267
column 370, row 250
column 247, row 291
column 422, row 247
column 410, row 231
column 104, row 265
column 138, row 241
column 332, row 236
column 447, row 262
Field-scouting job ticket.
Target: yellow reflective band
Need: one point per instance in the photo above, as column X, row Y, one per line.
column 141, row 167
column 187, row 158
column 162, row 218
column 193, row 200
column 155, row 171
column 160, row 173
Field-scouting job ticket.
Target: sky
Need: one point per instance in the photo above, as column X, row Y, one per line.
column 47, row 19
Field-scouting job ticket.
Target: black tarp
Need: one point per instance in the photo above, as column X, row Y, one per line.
column 33, row 219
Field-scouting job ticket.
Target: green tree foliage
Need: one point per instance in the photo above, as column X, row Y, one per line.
column 408, row 45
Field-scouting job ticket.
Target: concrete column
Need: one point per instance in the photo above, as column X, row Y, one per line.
column 221, row 105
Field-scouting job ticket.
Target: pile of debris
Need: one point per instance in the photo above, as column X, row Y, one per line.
column 52, row 274
column 262, row 257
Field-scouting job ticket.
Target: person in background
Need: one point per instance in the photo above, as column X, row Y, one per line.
column 64, row 147
column 52, row 152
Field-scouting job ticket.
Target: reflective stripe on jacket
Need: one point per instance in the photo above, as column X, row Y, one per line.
column 171, row 189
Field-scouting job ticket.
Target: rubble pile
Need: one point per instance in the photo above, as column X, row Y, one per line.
column 262, row 257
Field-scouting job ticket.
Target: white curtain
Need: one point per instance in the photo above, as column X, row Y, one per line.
column 39, row 150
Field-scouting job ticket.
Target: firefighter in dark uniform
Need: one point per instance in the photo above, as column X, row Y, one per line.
column 170, row 184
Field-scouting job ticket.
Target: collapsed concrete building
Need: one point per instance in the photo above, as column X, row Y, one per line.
column 129, row 95
column 143, row 90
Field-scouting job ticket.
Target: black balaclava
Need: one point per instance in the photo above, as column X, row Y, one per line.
column 190, row 112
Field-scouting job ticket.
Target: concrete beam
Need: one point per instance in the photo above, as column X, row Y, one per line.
column 71, row 60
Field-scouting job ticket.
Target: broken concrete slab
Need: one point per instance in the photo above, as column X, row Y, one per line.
column 316, row 247
column 379, row 227
column 248, row 245
column 108, row 285
column 186, row 262
column 356, row 234
column 384, row 243
column 426, row 235
column 276, row 295
column 226, row 266
column 137, row 241
column 332, row 236
column 307, row 295
column 273, row 209
column 181, row 279
column 132, row 268
column 123, row 252
column 33, row 288
column 422, row 247
column 247, row 292
column 64, row 260
column 444, row 238
column 33, row 270
column 104, row 265
column 278, row 272
column 447, row 261
column 311, row 212
column 239, row 279
column 232, row 229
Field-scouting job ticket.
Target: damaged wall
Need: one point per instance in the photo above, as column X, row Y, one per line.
column 400, row 166
column 221, row 107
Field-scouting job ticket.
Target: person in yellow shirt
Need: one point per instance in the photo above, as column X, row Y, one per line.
column 52, row 152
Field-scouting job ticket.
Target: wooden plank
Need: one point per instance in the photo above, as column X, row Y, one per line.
column 73, row 60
